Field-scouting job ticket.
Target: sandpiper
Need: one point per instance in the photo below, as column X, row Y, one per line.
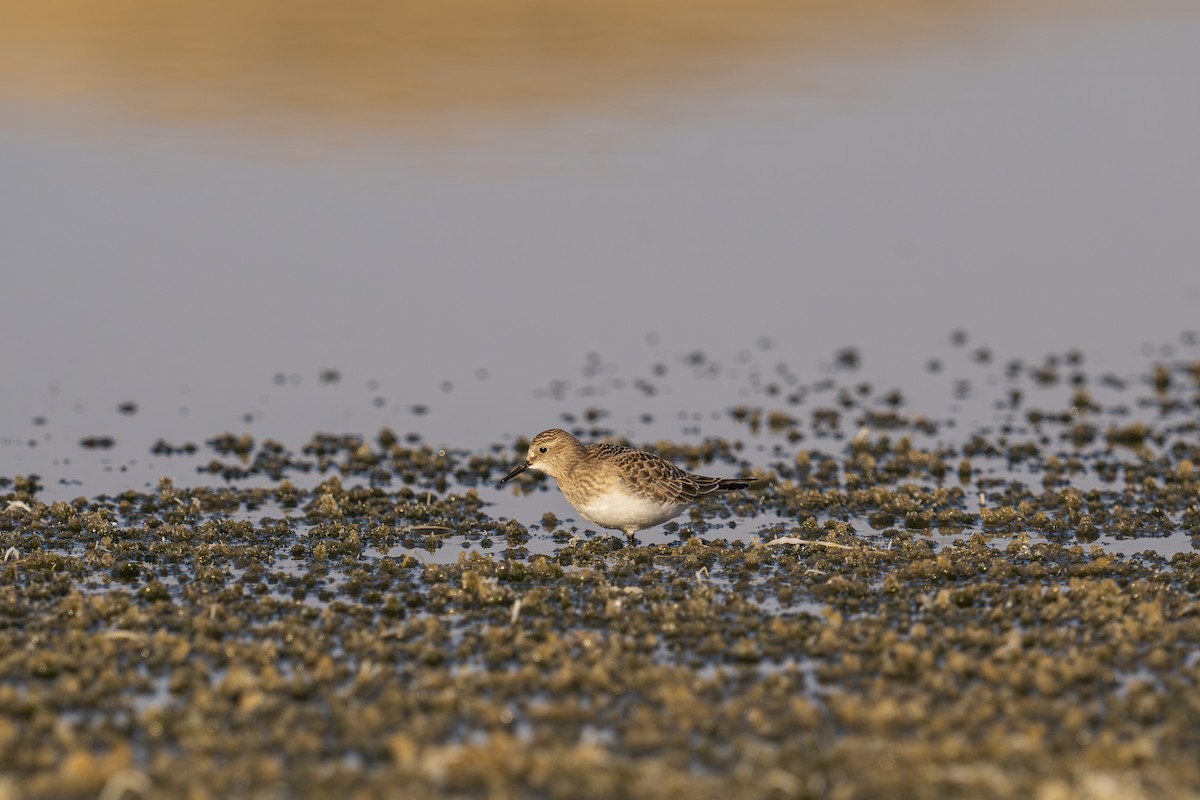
column 618, row 487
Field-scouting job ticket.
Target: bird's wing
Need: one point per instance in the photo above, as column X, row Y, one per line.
column 659, row 479
column 648, row 475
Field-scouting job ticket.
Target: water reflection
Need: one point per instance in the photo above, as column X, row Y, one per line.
column 368, row 288
column 423, row 64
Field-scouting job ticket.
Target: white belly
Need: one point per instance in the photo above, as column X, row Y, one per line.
column 628, row 512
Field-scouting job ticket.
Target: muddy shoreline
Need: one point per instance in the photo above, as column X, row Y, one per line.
column 886, row 619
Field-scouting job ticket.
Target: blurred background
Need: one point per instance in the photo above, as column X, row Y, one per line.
column 464, row 218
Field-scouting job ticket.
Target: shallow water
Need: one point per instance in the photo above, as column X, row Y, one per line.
column 223, row 277
column 283, row 290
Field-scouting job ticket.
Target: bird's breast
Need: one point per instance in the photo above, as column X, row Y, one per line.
column 622, row 510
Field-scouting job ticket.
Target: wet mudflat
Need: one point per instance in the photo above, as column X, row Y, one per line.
column 916, row 606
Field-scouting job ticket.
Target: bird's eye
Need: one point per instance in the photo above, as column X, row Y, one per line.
column 541, row 449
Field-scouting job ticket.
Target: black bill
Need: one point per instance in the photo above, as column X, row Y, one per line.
column 524, row 465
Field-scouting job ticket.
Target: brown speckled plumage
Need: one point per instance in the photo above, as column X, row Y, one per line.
column 618, row 487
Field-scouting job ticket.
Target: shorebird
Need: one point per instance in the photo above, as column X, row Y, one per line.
column 618, row 487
